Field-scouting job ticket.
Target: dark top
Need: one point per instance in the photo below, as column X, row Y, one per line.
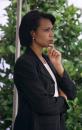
column 37, row 108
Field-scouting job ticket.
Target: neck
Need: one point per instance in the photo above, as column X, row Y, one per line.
column 37, row 49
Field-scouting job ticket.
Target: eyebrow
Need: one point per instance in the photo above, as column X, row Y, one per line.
column 47, row 28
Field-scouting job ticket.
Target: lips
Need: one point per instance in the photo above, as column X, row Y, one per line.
column 51, row 41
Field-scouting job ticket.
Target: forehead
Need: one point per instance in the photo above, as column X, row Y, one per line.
column 45, row 23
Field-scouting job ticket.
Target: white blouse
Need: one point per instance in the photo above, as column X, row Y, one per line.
column 54, row 78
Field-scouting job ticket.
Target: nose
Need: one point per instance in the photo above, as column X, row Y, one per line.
column 51, row 34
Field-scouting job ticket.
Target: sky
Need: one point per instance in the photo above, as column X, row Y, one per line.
column 5, row 3
column 3, row 17
column 77, row 3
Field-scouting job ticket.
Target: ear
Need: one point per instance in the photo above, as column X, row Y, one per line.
column 33, row 34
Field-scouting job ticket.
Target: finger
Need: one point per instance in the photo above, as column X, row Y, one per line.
column 57, row 53
column 53, row 52
column 50, row 47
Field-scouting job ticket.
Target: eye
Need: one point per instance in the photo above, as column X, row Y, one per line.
column 47, row 30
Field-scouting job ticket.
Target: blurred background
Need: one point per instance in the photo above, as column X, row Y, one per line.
column 67, row 38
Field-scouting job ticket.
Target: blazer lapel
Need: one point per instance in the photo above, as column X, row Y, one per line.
column 40, row 67
column 50, row 64
column 45, row 72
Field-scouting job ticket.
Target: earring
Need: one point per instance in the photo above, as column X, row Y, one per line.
column 33, row 38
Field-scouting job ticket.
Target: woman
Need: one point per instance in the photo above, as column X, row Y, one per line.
column 42, row 83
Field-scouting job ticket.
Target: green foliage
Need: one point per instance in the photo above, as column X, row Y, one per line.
column 5, row 107
column 6, row 92
column 7, row 51
column 66, row 32
column 74, row 116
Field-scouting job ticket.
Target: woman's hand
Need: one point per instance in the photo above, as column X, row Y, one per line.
column 61, row 93
column 56, row 59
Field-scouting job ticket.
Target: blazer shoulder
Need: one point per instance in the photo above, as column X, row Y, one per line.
column 24, row 64
column 25, row 59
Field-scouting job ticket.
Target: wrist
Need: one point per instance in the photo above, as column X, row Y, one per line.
column 60, row 70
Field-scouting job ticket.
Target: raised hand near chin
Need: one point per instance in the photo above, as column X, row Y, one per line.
column 56, row 59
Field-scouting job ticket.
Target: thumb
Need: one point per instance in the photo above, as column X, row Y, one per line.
column 51, row 46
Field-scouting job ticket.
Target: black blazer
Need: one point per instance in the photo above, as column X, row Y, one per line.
column 37, row 108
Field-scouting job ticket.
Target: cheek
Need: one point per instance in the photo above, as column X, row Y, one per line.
column 40, row 37
column 43, row 36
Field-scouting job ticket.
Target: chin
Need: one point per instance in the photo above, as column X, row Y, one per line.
column 47, row 46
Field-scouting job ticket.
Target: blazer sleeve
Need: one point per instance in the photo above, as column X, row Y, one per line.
column 67, row 85
column 27, row 81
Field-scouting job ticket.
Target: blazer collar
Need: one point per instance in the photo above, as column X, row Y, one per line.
column 40, row 67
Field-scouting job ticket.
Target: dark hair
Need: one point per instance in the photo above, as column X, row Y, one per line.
column 30, row 22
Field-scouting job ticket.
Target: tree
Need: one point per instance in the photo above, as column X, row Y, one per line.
column 66, row 32
column 7, row 50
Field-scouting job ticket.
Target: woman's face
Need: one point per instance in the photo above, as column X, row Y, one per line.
column 44, row 34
